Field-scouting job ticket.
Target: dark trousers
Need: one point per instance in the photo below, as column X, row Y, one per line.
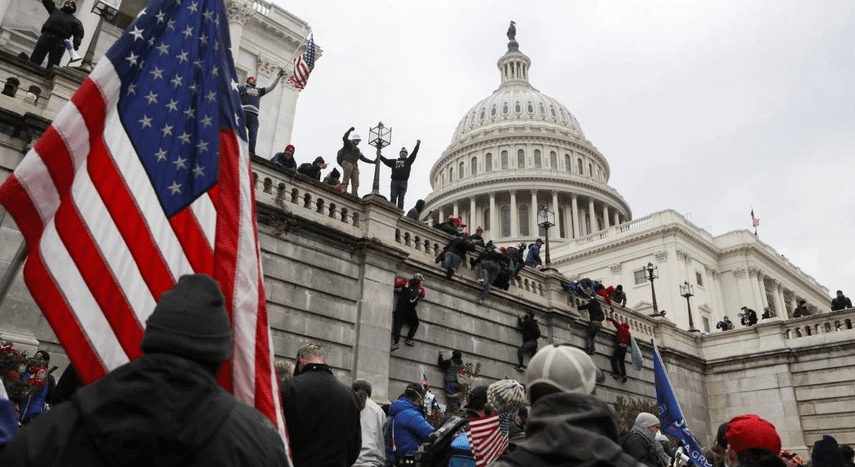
column 591, row 334
column 618, row 357
column 528, row 347
column 487, row 270
column 252, row 130
column 51, row 45
column 397, row 192
column 399, row 319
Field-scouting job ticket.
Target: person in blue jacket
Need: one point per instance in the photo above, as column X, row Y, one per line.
column 408, row 428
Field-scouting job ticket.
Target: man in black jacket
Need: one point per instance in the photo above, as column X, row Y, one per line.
column 640, row 442
column 488, row 264
column 322, row 414
column 313, row 170
column 527, row 325
column 841, row 302
column 595, row 312
column 60, row 26
column 400, row 173
column 164, row 408
column 285, row 160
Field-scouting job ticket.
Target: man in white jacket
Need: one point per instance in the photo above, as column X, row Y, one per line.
column 373, row 452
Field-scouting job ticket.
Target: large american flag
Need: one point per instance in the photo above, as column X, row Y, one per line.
column 303, row 66
column 486, row 439
column 144, row 177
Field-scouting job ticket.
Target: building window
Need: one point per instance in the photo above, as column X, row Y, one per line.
column 504, row 159
column 506, row 221
column 538, row 161
column 640, row 277
column 488, row 162
column 699, row 278
column 520, row 159
column 769, row 299
column 568, row 166
column 517, row 108
column 579, row 165
column 11, row 87
column 523, row 213
column 493, row 111
column 486, row 222
column 561, row 228
column 450, row 174
column 706, row 324
column 474, row 166
column 530, row 108
column 483, row 114
column 553, row 160
column 460, row 172
column 505, row 109
column 590, row 169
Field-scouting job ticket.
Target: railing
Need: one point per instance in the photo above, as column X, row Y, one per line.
column 261, row 7
column 823, row 323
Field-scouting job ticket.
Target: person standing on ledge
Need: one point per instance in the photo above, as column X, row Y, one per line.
column 841, row 302
column 250, row 97
column 400, row 174
column 348, row 157
column 60, row 26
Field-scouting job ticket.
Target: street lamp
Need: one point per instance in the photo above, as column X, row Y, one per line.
column 651, row 275
column 106, row 10
column 686, row 290
column 380, row 137
column 546, row 219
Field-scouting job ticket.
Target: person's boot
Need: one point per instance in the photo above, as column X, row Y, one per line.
column 449, row 273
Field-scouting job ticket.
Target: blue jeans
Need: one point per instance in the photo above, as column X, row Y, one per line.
column 397, row 192
column 252, row 130
column 492, row 270
column 591, row 334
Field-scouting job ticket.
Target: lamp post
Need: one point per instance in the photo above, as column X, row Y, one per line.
column 106, row 11
column 380, row 137
column 686, row 290
column 546, row 219
column 651, row 275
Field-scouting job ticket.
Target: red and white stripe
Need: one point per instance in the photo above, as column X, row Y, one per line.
column 101, row 251
column 486, row 439
column 301, row 73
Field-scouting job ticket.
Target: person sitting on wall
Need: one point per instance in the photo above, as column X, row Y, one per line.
column 313, row 170
column 285, row 160
column 802, row 309
column 618, row 296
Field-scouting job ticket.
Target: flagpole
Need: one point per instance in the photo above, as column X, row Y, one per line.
column 297, row 50
column 12, row 271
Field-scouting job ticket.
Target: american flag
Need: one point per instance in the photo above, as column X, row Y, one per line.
column 303, row 65
column 486, row 439
column 144, row 176
column 754, row 221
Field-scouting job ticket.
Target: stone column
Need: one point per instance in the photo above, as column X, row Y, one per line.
column 592, row 215
column 617, row 218
column 455, row 209
column 441, row 213
column 532, row 215
column 239, row 12
column 605, row 216
column 473, row 221
column 514, row 226
column 575, row 222
column 753, row 274
column 495, row 231
column 778, row 299
column 555, row 209
column 761, row 283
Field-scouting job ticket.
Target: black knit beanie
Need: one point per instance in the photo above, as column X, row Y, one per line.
column 190, row 321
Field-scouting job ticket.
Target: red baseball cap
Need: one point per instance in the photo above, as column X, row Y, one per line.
column 750, row 431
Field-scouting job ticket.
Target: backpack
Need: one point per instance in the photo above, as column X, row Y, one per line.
column 436, row 450
column 339, row 157
column 535, row 329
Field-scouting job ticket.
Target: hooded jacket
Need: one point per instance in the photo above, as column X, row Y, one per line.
column 159, row 409
column 557, row 418
column 410, row 427
column 62, row 24
column 401, row 167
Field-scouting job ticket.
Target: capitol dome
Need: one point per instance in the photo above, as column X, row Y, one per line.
column 518, row 152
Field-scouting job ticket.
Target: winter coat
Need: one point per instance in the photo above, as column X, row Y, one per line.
column 159, row 409
column 641, row 445
column 350, row 152
column 324, row 426
column 251, row 96
column 62, row 24
column 529, row 328
column 401, row 167
column 310, row 170
column 372, row 420
column 533, row 259
column 451, row 368
column 287, row 163
column 408, row 297
column 623, row 334
column 34, row 404
column 409, row 426
column 557, row 418
column 459, row 246
column 595, row 311
column 841, row 303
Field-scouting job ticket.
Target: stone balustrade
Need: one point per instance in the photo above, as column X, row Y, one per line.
column 823, row 323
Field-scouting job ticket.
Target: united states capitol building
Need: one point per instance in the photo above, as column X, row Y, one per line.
column 519, row 152
column 330, row 258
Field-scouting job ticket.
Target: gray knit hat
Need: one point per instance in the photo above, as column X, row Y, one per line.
column 190, row 321
column 646, row 420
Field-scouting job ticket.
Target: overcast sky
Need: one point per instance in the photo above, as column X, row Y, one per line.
column 709, row 108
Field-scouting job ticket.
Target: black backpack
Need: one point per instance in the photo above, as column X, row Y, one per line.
column 436, row 450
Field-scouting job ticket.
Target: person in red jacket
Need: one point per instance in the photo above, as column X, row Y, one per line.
column 405, row 311
column 621, row 344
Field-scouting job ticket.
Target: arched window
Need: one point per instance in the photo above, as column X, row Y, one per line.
column 520, row 159
column 486, row 221
column 523, row 220
column 450, row 174
column 590, row 169
column 579, row 164
column 483, row 114
column 568, row 166
column 11, row 87
column 517, row 108
column 538, row 161
column 488, row 162
column 506, row 221
column 36, row 91
column 530, row 108
column 553, row 160
column 504, row 159
column 443, row 178
column 493, row 111
column 505, row 109
column 473, row 167
column 460, row 172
